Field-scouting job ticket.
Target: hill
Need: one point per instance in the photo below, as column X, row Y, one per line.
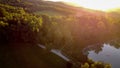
column 53, row 23
column 38, row 6
column 49, row 7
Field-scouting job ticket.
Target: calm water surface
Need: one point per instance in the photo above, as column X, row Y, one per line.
column 108, row 54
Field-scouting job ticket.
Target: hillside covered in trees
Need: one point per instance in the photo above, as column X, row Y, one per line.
column 19, row 17
column 54, row 25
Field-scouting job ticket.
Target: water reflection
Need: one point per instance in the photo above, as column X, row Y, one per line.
column 108, row 54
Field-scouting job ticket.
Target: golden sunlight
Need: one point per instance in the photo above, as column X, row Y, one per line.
column 103, row 5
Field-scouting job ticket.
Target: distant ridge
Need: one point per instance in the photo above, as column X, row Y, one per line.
column 49, row 7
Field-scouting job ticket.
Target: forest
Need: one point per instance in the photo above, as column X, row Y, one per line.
column 53, row 25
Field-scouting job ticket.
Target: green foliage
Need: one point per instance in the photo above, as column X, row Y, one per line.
column 86, row 65
column 95, row 65
column 19, row 25
column 2, row 24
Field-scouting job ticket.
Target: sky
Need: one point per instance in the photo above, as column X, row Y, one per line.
column 103, row 5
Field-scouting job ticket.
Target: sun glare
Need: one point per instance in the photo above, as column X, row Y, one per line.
column 103, row 5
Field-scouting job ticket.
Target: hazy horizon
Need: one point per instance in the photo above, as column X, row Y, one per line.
column 94, row 4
